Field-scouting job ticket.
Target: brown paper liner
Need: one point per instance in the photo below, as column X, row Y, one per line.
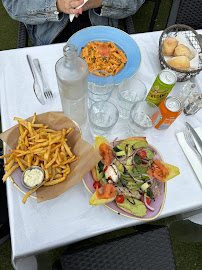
column 89, row 157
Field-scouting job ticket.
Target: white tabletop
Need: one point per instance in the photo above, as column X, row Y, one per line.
column 69, row 217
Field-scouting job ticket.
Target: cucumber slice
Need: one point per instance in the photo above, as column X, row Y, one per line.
column 144, row 186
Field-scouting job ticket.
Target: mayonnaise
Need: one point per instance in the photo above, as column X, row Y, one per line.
column 33, row 177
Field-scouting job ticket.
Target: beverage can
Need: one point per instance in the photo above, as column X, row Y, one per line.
column 171, row 108
column 162, row 86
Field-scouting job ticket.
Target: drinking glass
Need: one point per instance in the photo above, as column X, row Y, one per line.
column 143, row 116
column 130, row 92
column 100, row 86
column 103, row 116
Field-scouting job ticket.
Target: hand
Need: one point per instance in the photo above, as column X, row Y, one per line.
column 69, row 6
column 92, row 4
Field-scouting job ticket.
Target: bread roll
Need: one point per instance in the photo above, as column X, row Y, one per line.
column 182, row 50
column 169, row 46
column 179, row 62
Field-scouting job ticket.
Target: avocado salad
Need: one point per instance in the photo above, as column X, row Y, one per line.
column 136, row 173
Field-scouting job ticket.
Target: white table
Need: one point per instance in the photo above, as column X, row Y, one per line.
column 69, row 217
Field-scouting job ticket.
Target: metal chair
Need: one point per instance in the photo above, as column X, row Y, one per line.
column 148, row 248
column 128, row 25
column 22, row 40
column 186, row 12
column 154, row 14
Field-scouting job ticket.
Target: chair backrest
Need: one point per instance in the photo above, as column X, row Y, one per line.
column 154, row 13
column 128, row 25
column 186, row 12
column 22, row 36
column 22, row 40
column 148, row 248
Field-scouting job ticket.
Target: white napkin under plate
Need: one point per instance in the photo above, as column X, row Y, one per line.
column 195, row 162
column 71, row 16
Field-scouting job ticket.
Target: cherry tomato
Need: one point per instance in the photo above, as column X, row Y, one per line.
column 120, row 199
column 148, row 200
column 96, row 184
column 142, row 154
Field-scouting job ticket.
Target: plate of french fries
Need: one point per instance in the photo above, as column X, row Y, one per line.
column 52, row 149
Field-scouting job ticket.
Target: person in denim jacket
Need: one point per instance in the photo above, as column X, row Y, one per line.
column 47, row 21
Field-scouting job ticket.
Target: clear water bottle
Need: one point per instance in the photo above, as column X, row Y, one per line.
column 72, row 78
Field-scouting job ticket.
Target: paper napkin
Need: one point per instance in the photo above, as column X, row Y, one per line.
column 195, row 162
column 71, row 16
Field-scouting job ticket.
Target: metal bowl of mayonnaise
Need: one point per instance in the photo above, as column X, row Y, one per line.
column 32, row 177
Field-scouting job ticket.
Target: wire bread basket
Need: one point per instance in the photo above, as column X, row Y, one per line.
column 194, row 39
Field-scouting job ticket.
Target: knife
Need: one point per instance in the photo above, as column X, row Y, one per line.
column 195, row 135
column 36, row 86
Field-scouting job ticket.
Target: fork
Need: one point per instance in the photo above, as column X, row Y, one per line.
column 190, row 141
column 46, row 89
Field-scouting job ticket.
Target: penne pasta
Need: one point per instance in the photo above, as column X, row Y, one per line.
column 103, row 56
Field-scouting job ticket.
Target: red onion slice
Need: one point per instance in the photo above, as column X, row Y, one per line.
column 148, row 206
column 146, row 161
column 141, row 166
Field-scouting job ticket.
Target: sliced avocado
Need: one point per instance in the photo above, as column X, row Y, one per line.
column 139, row 144
column 120, row 167
column 116, row 162
column 139, row 170
column 137, row 209
column 100, row 175
column 129, row 168
column 122, row 146
column 129, row 150
column 129, row 161
column 120, row 153
column 135, row 143
column 116, row 148
column 103, row 180
column 125, row 176
column 149, row 153
column 132, row 185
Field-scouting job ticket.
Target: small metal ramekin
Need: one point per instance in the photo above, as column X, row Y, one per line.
column 30, row 168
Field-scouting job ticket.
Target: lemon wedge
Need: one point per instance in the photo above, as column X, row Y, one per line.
column 95, row 201
column 99, row 140
column 173, row 171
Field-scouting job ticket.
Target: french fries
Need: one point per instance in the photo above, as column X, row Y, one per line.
column 38, row 145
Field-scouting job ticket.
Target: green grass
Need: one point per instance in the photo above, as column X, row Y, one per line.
column 8, row 30
column 187, row 254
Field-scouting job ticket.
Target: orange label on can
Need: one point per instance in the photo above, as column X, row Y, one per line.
column 168, row 117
